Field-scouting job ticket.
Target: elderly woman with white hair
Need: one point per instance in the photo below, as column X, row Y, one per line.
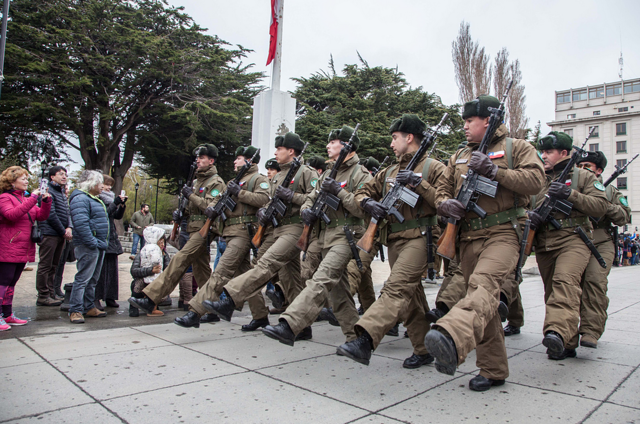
column 91, row 239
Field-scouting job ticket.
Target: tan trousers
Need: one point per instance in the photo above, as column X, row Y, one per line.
column 234, row 261
column 195, row 252
column 473, row 322
column 561, row 271
column 401, row 295
column 360, row 282
column 329, row 281
column 511, row 290
column 454, row 287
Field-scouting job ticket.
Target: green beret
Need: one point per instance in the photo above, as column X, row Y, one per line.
column 410, row 124
column 248, row 153
column 555, row 140
column 272, row 164
column 344, row 134
column 594, row 157
column 479, row 107
column 370, row 163
column 290, row 141
column 206, row 150
column 317, row 162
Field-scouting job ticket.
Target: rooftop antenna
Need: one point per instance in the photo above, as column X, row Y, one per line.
column 621, row 62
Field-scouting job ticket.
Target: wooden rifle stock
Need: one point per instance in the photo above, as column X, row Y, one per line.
column 447, row 242
column 174, row 231
column 532, row 234
column 257, row 238
column 205, row 228
column 303, row 241
column 369, row 237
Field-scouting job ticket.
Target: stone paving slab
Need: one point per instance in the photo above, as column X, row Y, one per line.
column 96, row 412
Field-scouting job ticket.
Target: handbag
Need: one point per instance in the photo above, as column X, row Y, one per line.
column 36, row 232
column 628, row 254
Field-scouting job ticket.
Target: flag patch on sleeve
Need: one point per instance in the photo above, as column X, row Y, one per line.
column 496, row 155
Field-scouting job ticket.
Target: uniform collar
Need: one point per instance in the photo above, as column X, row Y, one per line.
column 346, row 164
column 206, row 172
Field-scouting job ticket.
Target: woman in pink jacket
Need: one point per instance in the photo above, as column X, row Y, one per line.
column 17, row 213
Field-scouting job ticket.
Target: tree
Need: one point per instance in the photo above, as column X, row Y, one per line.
column 501, row 73
column 518, row 121
column 371, row 96
column 102, row 76
column 471, row 64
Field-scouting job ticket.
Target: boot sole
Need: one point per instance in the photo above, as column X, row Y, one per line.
column 589, row 345
column 277, row 337
column 503, row 311
column 554, row 346
column 208, row 305
column 135, row 305
column 342, row 352
column 186, row 326
column 438, row 346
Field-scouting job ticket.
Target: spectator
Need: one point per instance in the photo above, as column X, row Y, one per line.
column 634, row 252
column 140, row 272
column 139, row 221
column 17, row 215
column 55, row 231
column 91, row 239
column 107, row 287
column 222, row 246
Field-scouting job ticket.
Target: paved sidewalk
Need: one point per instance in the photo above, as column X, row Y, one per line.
column 144, row 372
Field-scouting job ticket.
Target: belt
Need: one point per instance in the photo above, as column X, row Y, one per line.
column 425, row 221
column 240, row 220
column 197, row 218
column 492, row 220
column 290, row 220
column 341, row 222
column 570, row 222
column 603, row 224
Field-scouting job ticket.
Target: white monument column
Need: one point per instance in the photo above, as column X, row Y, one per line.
column 274, row 111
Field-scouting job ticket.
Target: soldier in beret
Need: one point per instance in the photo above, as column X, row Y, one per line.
column 561, row 254
column 250, row 194
column 283, row 257
column 488, row 246
column 205, row 192
column 594, row 300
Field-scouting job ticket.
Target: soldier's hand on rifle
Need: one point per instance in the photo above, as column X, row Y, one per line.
column 373, row 208
column 331, row 186
column 409, row 178
column 187, row 191
column 451, row 208
column 176, row 215
column 559, row 190
column 284, row 194
column 308, row 217
column 233, row 188
column 536, row 219
column 481, row 163
column 211, row 213
column 262, row 219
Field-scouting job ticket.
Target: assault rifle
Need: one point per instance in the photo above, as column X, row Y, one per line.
column 523, row 245
column 326, row 199
column 376, row 170
column 183, row 202
column 276, row 206
column 474, row 185
column 226, row 202
column 399, row 193
column 619, row 171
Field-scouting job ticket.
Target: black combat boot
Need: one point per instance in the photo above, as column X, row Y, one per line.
column 223, row 307
column 444, row 350
column 394, row 331
column 143, row 303
column 566, row 353
column 435, row 314
column 482, row 384
column 255, row 324
column 503, row 311
column 359, row 349
column 281, row 332
column 326, row 314
column 416, row 361
column 305, row 334
column 210, row 317
column 191, row 319
column 276, row 296
column 554, row 343
column 511, row 330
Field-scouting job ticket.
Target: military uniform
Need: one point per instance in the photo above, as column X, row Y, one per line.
column 360, row 282
column 206, row 189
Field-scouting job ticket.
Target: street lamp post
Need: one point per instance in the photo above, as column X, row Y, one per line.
column 135, row 202
column 155, row 215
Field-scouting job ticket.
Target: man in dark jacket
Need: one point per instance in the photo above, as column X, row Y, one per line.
column 91, row 239
column 55, row 230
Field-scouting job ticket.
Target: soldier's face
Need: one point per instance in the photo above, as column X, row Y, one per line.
column 238, row 163
column 204, row 161
column 333, row 149
column 271, row 173
column 474, row 128
column 551, row 157
column 284, row 155
column 399, row 143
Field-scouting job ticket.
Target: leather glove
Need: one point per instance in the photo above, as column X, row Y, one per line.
column 481, row 163
column 559, row 190
column 308, row 217
column 211, row 213
column 408, row 178
column 233, row 188
column 451, row 208
column 536, row 219
column 176, row 215
column 187, row 191
column 331, row 186
column 373, row 208
column 262, row 219
column 284, row 194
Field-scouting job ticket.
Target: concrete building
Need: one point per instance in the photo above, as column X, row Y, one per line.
column 614, row 109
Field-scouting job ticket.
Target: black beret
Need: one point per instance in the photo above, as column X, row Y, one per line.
column 206, row 150
column 479, row 107
column 409, row 123
column 555, row 140
column 290, row 141
column 248, row 153
column 370, row 163
column 594, row 157
column 272, row 164
column 317, row 162
column 344, row 134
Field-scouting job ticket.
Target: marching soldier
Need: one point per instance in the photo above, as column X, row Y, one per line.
column 251, row 193
column 561, row 254
column 488, row 246
column 402, row 298
column 205, row 191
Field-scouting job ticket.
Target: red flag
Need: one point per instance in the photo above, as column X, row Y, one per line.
column 273, row 30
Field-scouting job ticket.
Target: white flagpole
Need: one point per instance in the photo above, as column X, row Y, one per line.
column 275, row 77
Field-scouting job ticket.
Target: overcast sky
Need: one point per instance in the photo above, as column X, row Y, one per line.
column 560, row 44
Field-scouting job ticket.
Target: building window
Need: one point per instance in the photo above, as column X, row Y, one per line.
column 621, row 147
column 594, row 147
column 621, row 129
column 596, row 93
column 596, row 132
column 620, row 163
column 569, row 132
column 563, row 97
column 614, row 90
column 623, row 109
column 571, row 116
column 579, row 95
column 596, row 113
column 622, row 183
column 632, row 87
